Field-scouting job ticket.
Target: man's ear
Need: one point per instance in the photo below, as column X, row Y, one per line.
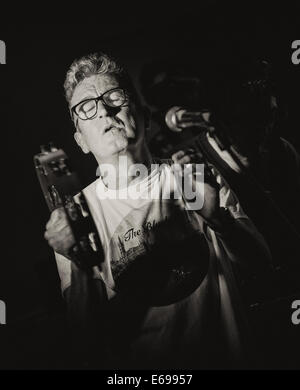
column 80, row 142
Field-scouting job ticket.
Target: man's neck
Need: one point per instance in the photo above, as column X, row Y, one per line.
column 119, row 170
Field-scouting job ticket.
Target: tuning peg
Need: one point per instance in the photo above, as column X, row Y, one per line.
column 52, row 147
column 44, row 149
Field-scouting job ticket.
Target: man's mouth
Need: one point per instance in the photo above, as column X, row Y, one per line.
column 107, row 129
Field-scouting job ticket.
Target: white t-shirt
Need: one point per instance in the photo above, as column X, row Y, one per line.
column 155, row 253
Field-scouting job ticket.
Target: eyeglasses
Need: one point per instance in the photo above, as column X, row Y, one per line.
column 87, row 109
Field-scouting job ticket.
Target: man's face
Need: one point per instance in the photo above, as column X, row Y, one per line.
column 113, row 130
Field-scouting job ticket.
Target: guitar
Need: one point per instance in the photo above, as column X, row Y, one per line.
column 60, row 184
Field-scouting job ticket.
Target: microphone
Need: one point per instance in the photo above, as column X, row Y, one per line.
column 178, row 118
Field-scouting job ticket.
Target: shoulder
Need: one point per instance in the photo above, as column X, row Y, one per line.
column 89, row 191
column 290, row 157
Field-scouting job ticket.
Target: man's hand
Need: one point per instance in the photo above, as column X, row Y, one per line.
column 210, row 210
column 58, row 233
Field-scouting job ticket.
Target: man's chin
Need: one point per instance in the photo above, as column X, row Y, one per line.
column 120, row 145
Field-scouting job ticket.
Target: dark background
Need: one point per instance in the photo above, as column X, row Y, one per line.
column 35, row 110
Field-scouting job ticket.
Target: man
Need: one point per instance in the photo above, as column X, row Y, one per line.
column 165, row 295
column 263, row 169
column 253, row 115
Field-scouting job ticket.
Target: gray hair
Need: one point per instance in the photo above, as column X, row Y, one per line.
column 93, row 64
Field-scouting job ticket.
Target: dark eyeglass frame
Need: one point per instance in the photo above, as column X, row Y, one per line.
column 97, row 99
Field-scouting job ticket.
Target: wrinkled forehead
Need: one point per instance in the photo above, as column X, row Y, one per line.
column 93, row 86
